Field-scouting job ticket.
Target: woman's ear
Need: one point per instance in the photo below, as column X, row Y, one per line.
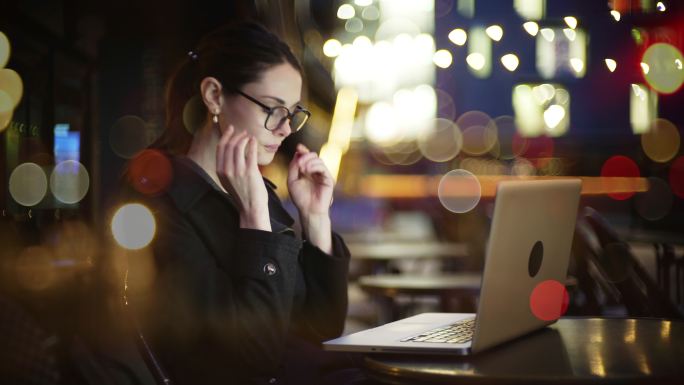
column 211, row 91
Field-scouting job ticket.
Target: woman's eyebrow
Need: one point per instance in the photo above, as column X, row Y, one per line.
column 279, row 100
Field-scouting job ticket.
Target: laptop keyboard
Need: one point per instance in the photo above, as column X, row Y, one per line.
column 457, row 333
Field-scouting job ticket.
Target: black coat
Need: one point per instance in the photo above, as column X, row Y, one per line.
column 226, row 305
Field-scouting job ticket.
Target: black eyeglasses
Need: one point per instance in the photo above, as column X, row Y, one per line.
column 277, row 115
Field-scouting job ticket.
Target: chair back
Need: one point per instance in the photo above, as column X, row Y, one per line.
column 638, row 291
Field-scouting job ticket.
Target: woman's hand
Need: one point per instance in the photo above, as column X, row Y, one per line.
column 237, row 170
column 310, row 183
column 311, row 189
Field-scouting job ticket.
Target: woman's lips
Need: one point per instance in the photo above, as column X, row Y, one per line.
column 272, row 147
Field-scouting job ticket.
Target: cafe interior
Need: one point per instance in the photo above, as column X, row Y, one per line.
column 420, row 109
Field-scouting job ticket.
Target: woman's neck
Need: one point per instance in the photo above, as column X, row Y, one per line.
column 203, row 150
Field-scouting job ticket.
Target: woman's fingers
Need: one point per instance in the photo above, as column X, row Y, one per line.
column 251, row 156
column 239, row 154
column 305, row 158
column 221, row 147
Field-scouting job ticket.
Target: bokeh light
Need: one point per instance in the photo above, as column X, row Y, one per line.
column 28, row 184
column 495, row 32
column 476, row 61
column 441, row 141
column 370, row 13
column 577, row 64
column 479, row 166
column 346, row 11
column 478, row 140
column 381, row 125
column 34, row 268
column 618, row 173
column 442, row 58
column 553, row 116
column 402, row 153
column 570, row 34
column 69, row 181
column 332, row 48
column 458, row 36
column 11, row 83
column 661, row 142
column 5, row 49
column 531, row 27
column 354, row 25
column 6, row 110
column 130, row 135
column 194, row 114
column 611, row 64
column 615, row 14
column 446, row 109
column 571, row 21
column 539, row 149
column 664, row 74
column 133, row 226
column 676, row 177
column 459, row 191
column 549, row 300
column 655, row 203
column 150, row 172
column 522, row 167
column 510, row 61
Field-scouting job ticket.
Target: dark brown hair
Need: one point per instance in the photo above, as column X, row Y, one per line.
column 235, row 54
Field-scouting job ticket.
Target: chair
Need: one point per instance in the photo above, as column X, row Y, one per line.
column 593, row 291
column 638, row 291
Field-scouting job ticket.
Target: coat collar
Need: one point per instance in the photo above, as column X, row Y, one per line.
column 191, row 183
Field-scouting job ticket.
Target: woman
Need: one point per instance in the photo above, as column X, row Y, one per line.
column 237, row 298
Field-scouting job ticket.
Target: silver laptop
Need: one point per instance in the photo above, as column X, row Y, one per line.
column 529, row 243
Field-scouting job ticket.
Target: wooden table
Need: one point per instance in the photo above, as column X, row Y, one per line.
column 574, row 350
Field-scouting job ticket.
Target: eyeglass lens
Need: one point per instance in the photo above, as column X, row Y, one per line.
column 279, row 114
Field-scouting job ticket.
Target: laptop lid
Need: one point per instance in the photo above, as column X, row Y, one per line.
column 526, row 259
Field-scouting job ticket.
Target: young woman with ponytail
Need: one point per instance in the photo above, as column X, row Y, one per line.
column 235, row 296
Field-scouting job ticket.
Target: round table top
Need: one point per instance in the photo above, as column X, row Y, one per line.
column 407, row 250
column 573, row 350
column 421, row 284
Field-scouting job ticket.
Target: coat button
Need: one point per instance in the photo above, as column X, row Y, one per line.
column 270, row 269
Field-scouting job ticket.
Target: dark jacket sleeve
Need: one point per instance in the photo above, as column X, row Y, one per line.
column 227, row 311
column 325, row 307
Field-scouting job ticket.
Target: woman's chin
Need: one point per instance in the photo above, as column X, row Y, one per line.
column 265, row 159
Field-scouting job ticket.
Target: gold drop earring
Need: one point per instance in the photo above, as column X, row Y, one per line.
column 215, row 119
